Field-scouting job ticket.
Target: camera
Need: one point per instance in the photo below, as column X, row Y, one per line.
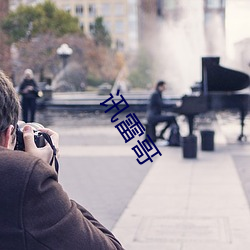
column 38, row 137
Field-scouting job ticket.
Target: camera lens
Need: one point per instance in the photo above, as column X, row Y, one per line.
column 38, row 137
column 35, row 125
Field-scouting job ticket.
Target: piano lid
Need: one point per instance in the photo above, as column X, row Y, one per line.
column 218, row 78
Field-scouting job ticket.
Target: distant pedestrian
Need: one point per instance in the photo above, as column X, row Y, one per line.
column 29, row 91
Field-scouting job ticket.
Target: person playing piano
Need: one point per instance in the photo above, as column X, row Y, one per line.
column 154, row 111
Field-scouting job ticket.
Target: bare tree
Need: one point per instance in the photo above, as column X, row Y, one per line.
column 97, row 62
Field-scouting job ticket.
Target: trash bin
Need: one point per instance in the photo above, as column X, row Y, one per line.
column 189, row 146
column 207, row 140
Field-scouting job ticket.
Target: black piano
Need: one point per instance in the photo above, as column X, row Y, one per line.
column 220, row 89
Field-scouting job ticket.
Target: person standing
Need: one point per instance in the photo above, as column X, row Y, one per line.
column 154, row 110
column 29, row 92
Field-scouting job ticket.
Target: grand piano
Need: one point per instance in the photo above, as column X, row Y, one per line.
column 220, row 89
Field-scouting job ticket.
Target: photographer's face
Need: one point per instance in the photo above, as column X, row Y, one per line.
column 8, row 138
column 13, row 138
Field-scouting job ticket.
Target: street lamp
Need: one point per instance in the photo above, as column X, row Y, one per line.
column 64, row 51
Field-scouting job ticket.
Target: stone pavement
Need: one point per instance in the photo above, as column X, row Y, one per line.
column 174, row 203
column 190, row 204
column 98, row 170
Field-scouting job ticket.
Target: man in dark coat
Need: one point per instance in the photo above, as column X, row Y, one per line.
column 35, row 212
column 154, row 110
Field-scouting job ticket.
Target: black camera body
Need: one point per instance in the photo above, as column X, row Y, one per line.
column 38, row 138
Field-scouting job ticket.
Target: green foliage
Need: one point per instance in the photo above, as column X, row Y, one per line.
column 42, row 18
column 141, row 75
column 100, row 33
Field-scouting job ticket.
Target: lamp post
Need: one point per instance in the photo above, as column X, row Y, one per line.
column 64, row 51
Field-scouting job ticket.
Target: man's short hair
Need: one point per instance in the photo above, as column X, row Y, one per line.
column 159, row 84
column 9, row 104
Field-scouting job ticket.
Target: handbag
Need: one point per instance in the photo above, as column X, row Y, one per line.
column 174, row 136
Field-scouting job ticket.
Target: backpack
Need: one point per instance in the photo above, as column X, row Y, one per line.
column 174, row 136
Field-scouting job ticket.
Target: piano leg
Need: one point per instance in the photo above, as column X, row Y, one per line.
column 190, row 123
column 243, row 114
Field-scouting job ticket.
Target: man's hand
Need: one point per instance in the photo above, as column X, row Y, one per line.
column 28, row 89
column 45, row 153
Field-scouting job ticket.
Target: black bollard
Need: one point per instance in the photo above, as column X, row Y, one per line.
column 189, row 146
column 207, row 140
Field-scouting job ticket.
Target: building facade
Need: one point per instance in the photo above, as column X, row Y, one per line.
column 120, row 18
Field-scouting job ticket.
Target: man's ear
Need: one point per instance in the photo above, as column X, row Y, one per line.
column 7, row 140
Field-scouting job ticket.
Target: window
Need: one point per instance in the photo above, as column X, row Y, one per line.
column 92, row 10
column 107, row 25
column 170, row 4
column 79, row 10
column 91, row 27
column 132, row 26
column 119, row 27
column 67, row 8
column 119, row 9
column 82, row 26
column 119, row 44
column 106, row 9
column 215, row 4
column 132, row 10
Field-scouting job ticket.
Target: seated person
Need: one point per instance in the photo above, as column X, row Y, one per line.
column 154, row 111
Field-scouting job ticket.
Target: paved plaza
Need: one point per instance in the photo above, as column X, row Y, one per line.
column 172, row 203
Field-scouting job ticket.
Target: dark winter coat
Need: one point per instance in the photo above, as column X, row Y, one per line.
column 32, row 93
column 36, row 214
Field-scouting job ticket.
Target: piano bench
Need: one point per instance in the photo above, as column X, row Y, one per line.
column 150, row 130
